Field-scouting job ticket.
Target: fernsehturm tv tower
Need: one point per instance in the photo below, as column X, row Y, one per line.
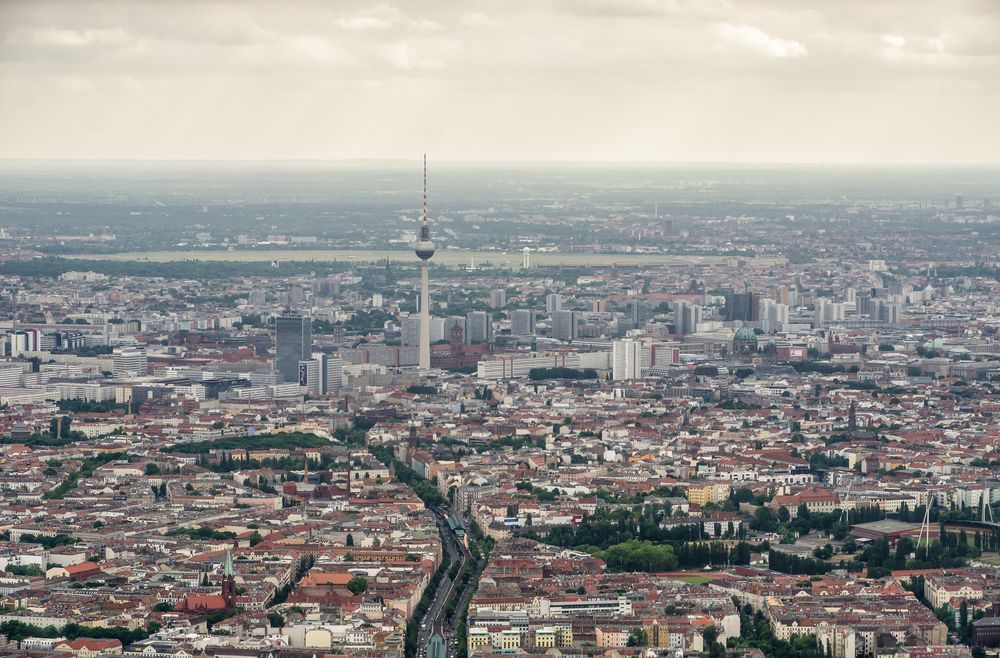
column 424, row 249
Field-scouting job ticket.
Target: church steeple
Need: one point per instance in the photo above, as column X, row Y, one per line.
column 229, row 582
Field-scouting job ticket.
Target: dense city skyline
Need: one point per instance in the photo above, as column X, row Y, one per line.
column 681, row 341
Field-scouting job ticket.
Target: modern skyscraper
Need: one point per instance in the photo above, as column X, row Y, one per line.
column 292, row 343
column 498, row 298
column 522, row 322
column 640, row 313
column 626, row 359
column 742, row 306
column 564, row 325
column 827, row 311
column 410, row 330
column 553, row 302
column 478, row 327
column 687, row 316
column 424, row 249
column 331, row 371
column 773, row 316
column 310, row 376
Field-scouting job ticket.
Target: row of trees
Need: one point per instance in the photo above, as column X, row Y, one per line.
column 203, row 533
column 81, row 406
column 539, row 374
column 835, row 522
column 948, row 552
column 283, row 441
column 48, row 542
column 17, row 631
column 425, row 490
column 605, row 528
column 788, row 563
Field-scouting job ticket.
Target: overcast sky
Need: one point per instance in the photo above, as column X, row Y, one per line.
column 863, row 81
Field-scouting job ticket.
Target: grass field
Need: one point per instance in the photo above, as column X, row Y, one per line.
column 443, row 257
column 693, row 580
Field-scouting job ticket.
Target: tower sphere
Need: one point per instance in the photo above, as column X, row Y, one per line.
column 424, row 249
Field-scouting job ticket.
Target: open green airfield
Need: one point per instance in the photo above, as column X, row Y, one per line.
column 443, row 257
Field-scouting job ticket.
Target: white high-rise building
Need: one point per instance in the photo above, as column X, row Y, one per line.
column 773, row 316
column 310, row 377
column 827, row 311
column 626, row 360
column 553, row 302
column 333, row 373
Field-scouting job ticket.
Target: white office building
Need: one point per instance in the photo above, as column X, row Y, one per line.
column 129, row 362
column 626, row 360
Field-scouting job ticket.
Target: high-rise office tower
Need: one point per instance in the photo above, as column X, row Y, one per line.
column 687, row 316
column 437, row 330
column 828, row 311
column 522, row 322
column 640, row 313
column 820, row 312
column 296, row 295
column 564, row 325
column 329, row 373
column 773, row 316
column 310, row 376
column 292, row 343
column 553, row 302
column 478, row 327
column 743, row 306
column 626, row 359
column 410, row 330
column 424, row 249
column 498, row 298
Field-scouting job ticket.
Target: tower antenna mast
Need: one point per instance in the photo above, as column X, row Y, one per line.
column 424, row 250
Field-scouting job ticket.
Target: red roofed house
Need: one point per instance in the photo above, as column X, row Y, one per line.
column 87, row 647
column 816, row 499
column 82, row 571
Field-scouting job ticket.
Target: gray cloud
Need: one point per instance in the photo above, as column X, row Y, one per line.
column 673, row 80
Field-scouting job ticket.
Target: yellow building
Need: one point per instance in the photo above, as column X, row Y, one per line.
column 545, row 638
column 659, row 636
column 708, row 493
column 510, row 640
column 478, row 638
